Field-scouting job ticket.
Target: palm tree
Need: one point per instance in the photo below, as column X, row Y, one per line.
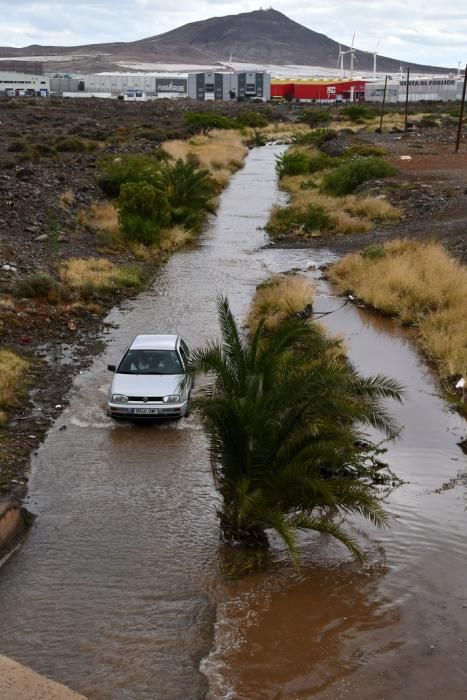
column 188, row 189
column 281, row 418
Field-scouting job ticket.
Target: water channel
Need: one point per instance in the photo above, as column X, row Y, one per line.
column 117, row 591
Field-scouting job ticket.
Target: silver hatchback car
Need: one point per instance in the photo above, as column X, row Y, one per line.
column 147, row 381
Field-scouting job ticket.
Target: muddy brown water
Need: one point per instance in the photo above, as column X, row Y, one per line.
column 117, row 591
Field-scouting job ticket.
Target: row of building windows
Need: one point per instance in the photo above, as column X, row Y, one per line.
column 20, row 82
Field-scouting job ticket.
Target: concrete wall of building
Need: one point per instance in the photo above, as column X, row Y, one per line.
column 10, row 80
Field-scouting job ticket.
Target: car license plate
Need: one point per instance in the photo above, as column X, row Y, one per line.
column 146, row 411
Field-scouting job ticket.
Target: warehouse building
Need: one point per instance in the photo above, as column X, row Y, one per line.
column 421, row 89
column 14, row 84
column 230, row 86
column 198, row 86
column 318, row 91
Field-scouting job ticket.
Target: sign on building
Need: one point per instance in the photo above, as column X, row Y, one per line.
column 173, row 86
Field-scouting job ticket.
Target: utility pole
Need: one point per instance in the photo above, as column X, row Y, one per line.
column 382, row 104
column 407, row 101
column 461, row 115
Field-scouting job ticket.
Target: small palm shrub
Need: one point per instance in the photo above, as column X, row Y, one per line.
column 348, row 176
column 188, row 190
column 281, row 417
column 313, row 138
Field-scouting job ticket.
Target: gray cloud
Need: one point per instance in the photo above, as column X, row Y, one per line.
column 425, row 32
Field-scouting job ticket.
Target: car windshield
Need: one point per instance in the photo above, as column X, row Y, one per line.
column 150, row 362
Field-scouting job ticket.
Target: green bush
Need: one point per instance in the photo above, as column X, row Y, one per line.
column 206, row 121
column 114, row 172
column 143, row 212
column 289, row 219
column 375, row 251
column 17, row 147
column 357, row 112
column 43, row 149
column 296, row 162
column 252, row 119
column 348, row 176
column 365, row 152
column 71, row 145
column 315, row 117
column 43, row 286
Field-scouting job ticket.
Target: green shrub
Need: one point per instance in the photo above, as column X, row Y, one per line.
column 17, row 146
column 71, row 145
column 206, row 121
column 296, row 162
column 114, row 172
column 144, row 211
column 357, row 112
column 364, row 152
column 252, row 119
column 375, row 251
column 43, row 149
column 348, row 176
column 286, row 219
column 43, row 286
column 315, row 117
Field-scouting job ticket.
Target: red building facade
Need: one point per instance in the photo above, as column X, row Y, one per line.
column 319, row 90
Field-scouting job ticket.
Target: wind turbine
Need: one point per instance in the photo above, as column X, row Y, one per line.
column 353, row 57
column 340, row 59
column 375, row 53
column 459, row 63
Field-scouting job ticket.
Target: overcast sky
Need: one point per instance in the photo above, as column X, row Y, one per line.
column 432, row 32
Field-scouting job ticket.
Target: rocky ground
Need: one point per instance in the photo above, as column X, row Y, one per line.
column 48, row 155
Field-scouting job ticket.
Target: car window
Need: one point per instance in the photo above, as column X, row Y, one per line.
column 150, row 362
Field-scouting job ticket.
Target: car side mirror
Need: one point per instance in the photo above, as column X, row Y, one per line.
column 111, row 368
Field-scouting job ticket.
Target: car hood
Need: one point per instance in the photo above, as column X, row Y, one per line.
column 146, row 384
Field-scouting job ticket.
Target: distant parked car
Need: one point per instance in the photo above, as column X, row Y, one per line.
column 146, row 382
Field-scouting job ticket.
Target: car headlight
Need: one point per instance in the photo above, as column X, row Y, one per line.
column 119, row 398
column 172, row 398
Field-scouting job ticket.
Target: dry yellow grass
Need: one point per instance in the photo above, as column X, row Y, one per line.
column 421, row 285
column 175, row 237
column 103, row 216
column 282, row 296
column 97, row 273
column 6, row 302
column 349, row 214
column 221, row 151
column 66, row 199
column 12, row 371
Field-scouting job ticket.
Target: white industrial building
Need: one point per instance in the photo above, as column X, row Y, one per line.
column 199, row 86
column 422, row 88
column 21, row 84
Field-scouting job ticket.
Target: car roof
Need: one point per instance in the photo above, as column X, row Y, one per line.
column 154, row 342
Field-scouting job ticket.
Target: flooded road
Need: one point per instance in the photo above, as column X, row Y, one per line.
column 117, row 591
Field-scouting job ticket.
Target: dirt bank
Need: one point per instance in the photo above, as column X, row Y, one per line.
column 18, row 682
column 431, row 189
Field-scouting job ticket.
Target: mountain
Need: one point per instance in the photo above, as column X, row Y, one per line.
column 264, row 37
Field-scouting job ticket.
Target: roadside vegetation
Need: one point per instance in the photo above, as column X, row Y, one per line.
column 13, row 369
column 281, row 297
column 327, row 194
column 418, row 283
column 281, row 418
